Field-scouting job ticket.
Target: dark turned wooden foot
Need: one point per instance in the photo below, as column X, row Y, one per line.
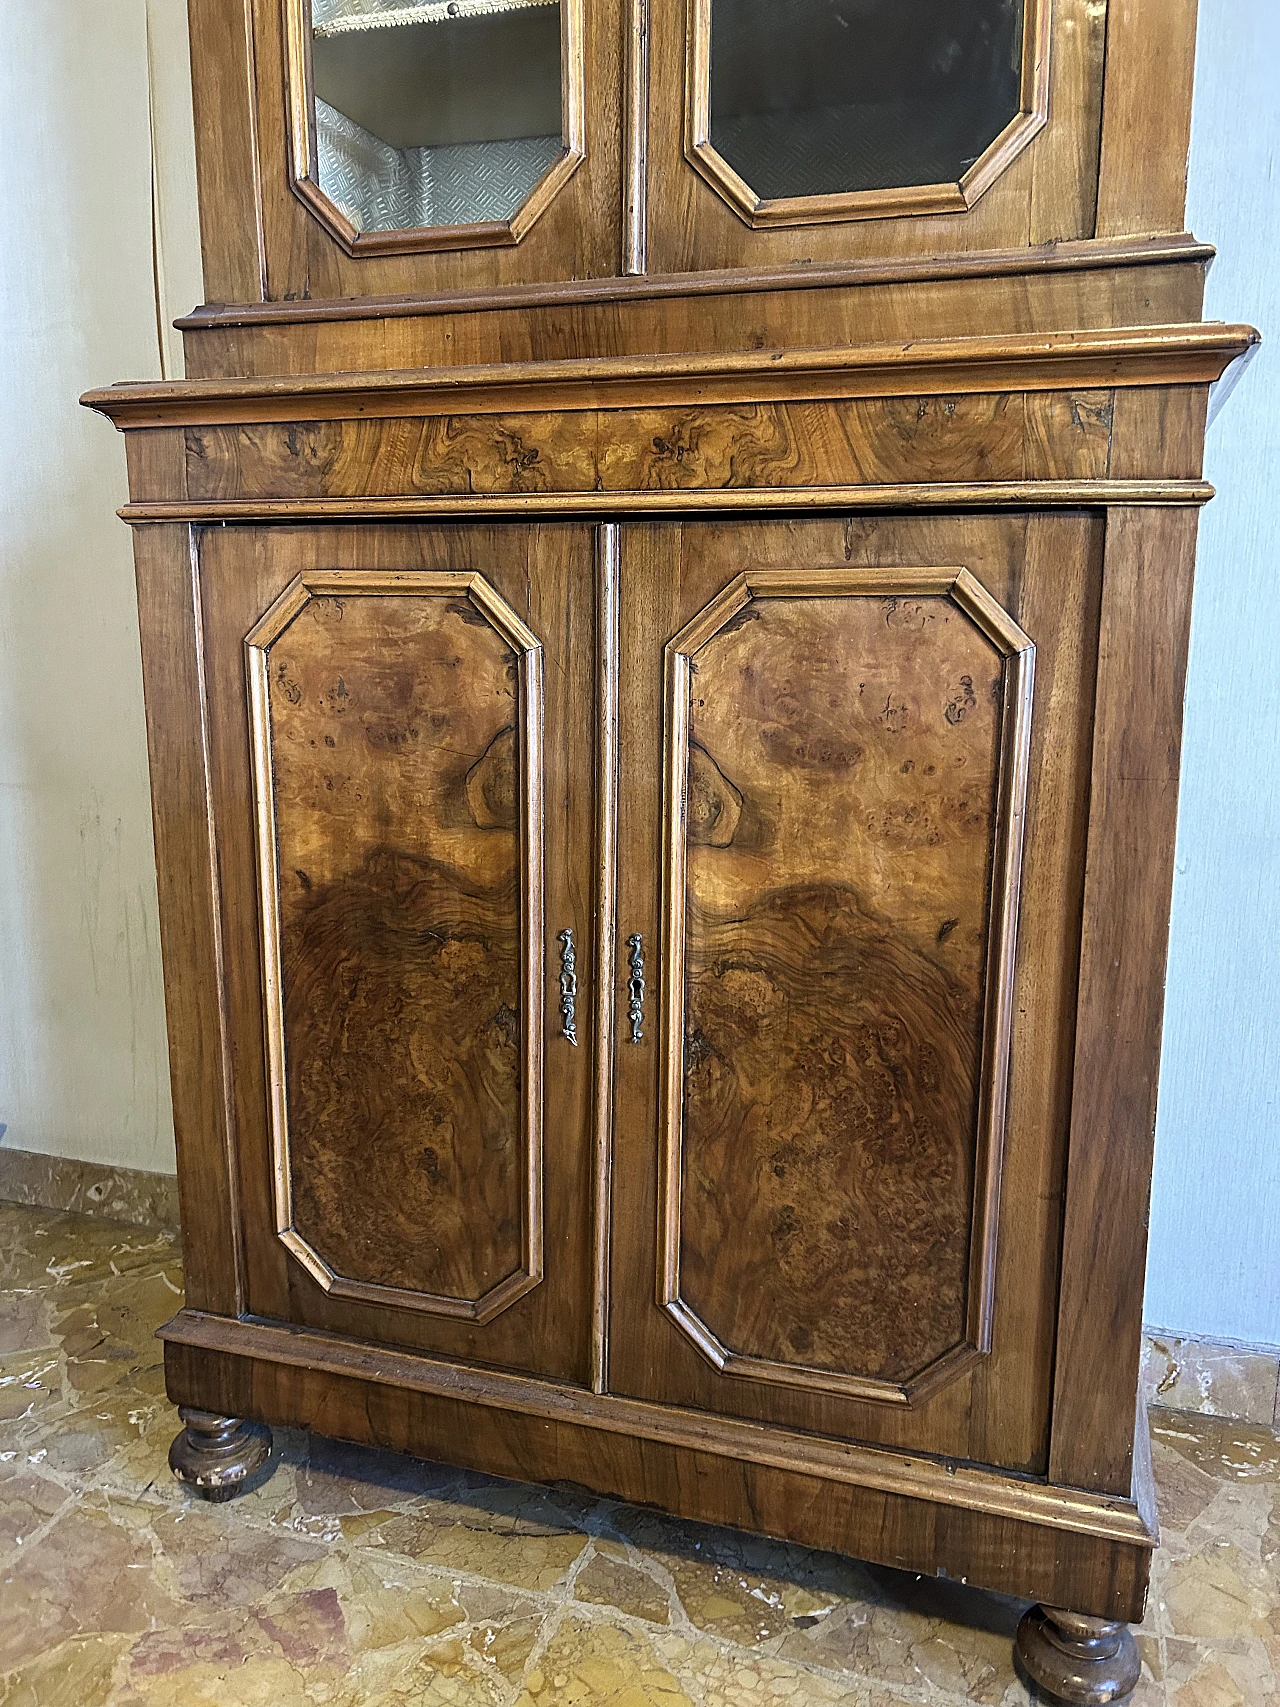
column 216, row 1455
column 1084, row 1661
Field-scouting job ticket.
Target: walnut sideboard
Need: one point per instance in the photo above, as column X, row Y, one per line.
column 664, row 643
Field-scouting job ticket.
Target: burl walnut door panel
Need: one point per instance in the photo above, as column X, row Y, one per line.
column 413, row 1142
column 841, row 1138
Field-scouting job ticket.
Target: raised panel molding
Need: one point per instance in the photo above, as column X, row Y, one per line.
column 460, row 923
column 758, row 967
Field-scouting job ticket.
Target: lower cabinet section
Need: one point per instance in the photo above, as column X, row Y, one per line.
column 800, row 1161
column 648, row 962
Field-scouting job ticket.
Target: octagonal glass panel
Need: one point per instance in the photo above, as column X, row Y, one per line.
column 434, row 113
column 837, row 97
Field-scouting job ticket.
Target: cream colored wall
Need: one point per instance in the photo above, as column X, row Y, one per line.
column 83, row 1067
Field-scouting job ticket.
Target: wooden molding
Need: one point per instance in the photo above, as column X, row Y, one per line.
column 1152, row 355
column 1018, row 651
column 913, row 201
column 608, row 563
column 635, row 182
column 300, row 102
column 940, row 1482
column 290, row 604
column 1072, row 257
column 959, row 495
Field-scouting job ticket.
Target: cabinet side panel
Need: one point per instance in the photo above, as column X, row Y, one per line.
column 190, row 925
column 223, row 89
column 1146, row 609
column 1146, row 116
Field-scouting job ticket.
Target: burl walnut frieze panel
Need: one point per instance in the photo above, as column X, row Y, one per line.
column 847, row 770
column 1014, row 436
column 397, row 727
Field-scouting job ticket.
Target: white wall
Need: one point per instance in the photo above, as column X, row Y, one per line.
column 82, row 1054
column 1214, row 1267
column 83, row 1068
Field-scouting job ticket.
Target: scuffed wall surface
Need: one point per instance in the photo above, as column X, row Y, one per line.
column 83, row 1064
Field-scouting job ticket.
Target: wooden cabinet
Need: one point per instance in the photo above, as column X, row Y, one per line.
column 664, row 692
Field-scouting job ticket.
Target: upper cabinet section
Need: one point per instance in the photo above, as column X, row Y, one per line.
column 440, row 124
column 829, row 110
column 420, row 148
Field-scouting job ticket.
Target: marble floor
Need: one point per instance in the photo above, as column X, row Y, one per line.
column 350, row 1578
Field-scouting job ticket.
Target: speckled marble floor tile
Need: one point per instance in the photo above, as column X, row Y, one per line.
column 352, row 1578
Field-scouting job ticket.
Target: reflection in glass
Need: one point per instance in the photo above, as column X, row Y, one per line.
column 440, row 112
column 830, row 97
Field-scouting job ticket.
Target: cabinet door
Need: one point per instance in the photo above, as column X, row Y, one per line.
column 855, row 762
column 402, row 745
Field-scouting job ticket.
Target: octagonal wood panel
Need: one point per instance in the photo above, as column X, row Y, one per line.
column 846, row 772
column 396, row 731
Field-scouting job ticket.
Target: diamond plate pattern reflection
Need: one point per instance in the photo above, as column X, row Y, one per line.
column 380, row 188
column 836, row 150
column 335, row 17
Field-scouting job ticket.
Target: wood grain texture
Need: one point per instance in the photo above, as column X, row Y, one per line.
column 942, row 1482
column 418, row 806
column 228, row 165
column 861, row 441
column 881, row 1518
column 840, row 810
column 996, row 1412
column 394, row 751
column 1027, row 496
column 1156, row 282
column 191, row 924
column 1146, row 116
column 1039, row 261
column 605, row 908
column 1142, row 664
column 1064, row 185
column 1057, row 361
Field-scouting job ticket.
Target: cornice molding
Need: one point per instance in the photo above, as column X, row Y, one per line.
column 1139, row 356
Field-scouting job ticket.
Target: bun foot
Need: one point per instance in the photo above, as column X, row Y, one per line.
column 1084, row 1661
column 215, row 1456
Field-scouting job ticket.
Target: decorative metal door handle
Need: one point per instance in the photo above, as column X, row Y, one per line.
column 568, row 989
column 635, row 987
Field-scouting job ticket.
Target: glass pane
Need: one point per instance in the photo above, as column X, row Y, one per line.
column 443, row 112
column 827, row 97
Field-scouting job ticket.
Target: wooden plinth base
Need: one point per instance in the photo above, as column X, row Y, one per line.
column 215, row 1455
column 1084, row 1661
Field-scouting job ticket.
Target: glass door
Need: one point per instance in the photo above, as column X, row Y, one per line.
column 447, row 122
